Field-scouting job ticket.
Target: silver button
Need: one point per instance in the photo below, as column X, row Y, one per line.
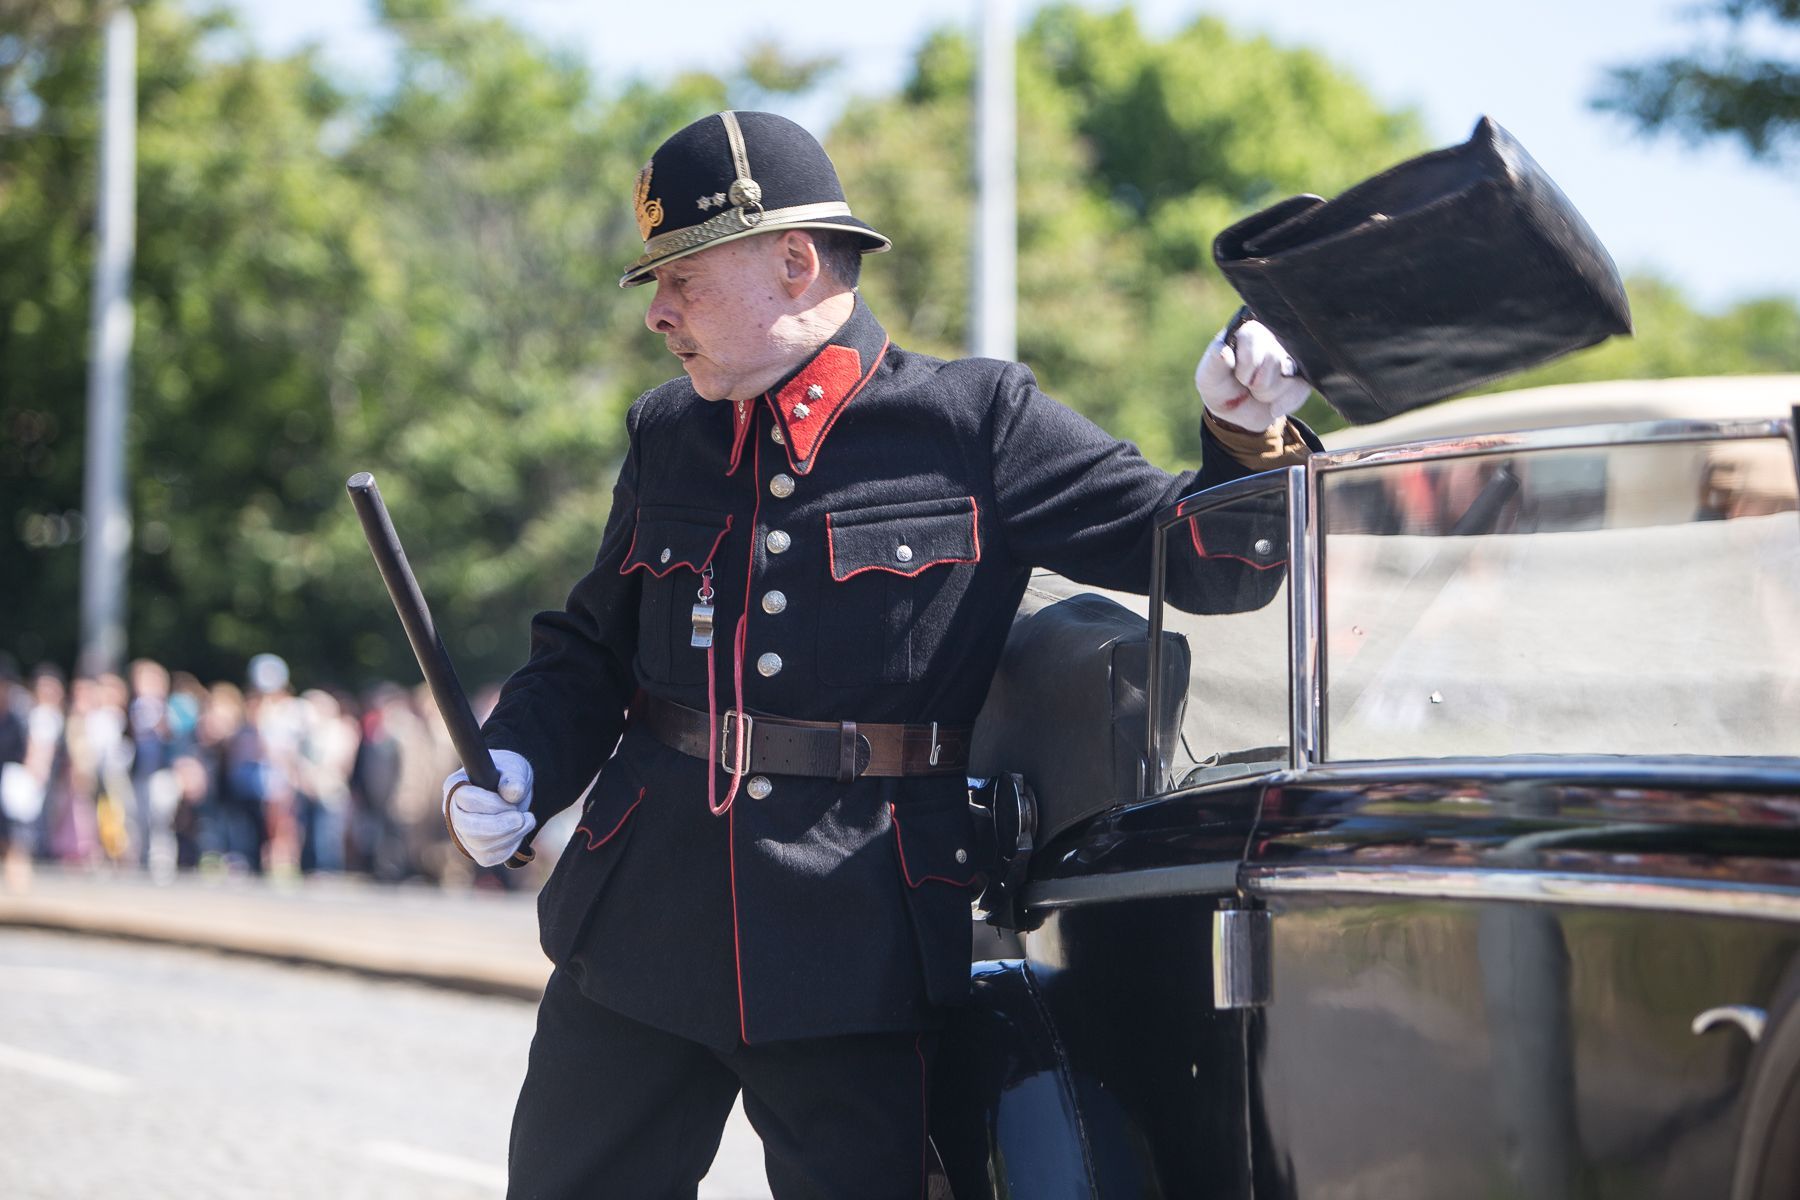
column 774, row 602
column 815, row 392
column 769, row 664
column 801, row 412
column 782, row 486
column 667, row 554
column 962, row 856
column 1263, row 546
column 776, row 436
column 904, row 554
column 759, row 787
column 778, row 541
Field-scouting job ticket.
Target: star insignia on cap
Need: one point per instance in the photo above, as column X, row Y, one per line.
column 716, row 200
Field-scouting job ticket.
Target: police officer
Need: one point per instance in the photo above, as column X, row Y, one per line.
column 816, row 546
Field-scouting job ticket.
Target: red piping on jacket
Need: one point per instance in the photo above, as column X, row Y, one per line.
column 1194, row 532
column 740, row 416
column 712, row 734
column 595, row 845
column 737, row 664
column 737, row 944
column 626, row 567
column 743, row 628
column 974, row 533
column 805, row 466
column 900, row 844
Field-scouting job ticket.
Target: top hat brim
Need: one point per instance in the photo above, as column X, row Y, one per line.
column 772, row 222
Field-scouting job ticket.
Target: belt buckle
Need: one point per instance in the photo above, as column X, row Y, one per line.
column 747, row 724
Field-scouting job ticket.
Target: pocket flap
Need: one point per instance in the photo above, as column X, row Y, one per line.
column 671, row 538
column 903, row 539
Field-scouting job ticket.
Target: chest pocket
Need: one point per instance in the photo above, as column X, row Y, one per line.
column 673, row 547
column 893, row 587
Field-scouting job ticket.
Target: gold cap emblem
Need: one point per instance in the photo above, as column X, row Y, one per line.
column 649, row 212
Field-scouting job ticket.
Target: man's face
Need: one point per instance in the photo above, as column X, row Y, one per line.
column 717, row 311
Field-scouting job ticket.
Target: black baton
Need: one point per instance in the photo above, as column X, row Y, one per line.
column 427, row 646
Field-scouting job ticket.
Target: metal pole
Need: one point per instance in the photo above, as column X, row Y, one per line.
column 107, row 542
column 993, row 329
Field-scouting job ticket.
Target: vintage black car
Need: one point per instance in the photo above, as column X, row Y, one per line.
column 1465, row 863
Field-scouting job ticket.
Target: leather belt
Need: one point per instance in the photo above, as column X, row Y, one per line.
column 841, row 750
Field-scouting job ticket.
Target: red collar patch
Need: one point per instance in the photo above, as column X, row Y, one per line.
column 811, row 402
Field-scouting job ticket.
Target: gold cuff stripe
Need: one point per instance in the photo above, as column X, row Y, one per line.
column 735, row 220
column 734, row 133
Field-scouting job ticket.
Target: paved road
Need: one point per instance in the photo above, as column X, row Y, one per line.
column 151, row 1071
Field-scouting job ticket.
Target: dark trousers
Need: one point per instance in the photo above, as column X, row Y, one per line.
column 611, row 1107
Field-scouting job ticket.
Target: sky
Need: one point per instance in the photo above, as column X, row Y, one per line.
column 1721, row 227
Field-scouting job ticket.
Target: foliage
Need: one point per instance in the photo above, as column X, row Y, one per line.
column 1753, row 337
column 1730, row 88
column 421, row 281
column 324, row 283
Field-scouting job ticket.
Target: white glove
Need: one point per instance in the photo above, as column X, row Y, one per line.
column 1253, row 387
column 489, row 827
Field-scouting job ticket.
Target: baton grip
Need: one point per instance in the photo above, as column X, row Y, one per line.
column 427, row 646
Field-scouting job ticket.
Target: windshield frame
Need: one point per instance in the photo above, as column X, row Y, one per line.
column 1308, row 750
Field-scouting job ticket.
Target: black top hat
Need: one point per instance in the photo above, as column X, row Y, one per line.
column 731, row 175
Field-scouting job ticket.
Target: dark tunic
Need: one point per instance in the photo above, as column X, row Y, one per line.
column 866, row 559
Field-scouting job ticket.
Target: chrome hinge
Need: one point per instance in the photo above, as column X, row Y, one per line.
column 1242, row 954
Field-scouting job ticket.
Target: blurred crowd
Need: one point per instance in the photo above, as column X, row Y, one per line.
column 158, row 772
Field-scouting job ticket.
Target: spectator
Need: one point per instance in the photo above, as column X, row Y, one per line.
column 327, row 754
column 196, row 806
column 151, row 750
column 21, row 795
column 278, row 718
column 377, row 844
column 242, row 779
column 46, row 754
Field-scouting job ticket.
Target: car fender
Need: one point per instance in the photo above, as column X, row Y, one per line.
column 1768, row 1155
column 1005, row 1118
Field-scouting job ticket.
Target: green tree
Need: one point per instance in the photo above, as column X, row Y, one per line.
column 1730, row 86
column 252, row 260
column 1671, row 338
column 500, row 178
column 421, row 282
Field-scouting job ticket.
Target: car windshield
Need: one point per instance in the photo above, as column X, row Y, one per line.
column 1627, row 599
column 1226, row 706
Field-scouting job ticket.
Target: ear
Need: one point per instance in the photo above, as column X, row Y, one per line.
column 798, row 261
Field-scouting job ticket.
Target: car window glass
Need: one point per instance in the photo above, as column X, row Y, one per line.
column 1225, row 626
column 1630, row 599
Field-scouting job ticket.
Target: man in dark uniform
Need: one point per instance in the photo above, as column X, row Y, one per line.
column 817, row 543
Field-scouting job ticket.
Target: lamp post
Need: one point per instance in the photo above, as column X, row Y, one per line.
column 993, row 330
column 106, row 546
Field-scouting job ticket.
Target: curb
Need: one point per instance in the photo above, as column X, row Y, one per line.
column 513, row 976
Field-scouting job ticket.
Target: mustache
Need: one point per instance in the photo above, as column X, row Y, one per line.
column 682, row 346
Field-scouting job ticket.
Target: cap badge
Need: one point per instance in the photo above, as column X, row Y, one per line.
column 649, row 212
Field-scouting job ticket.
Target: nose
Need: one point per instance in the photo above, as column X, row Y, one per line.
column 662, row 316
